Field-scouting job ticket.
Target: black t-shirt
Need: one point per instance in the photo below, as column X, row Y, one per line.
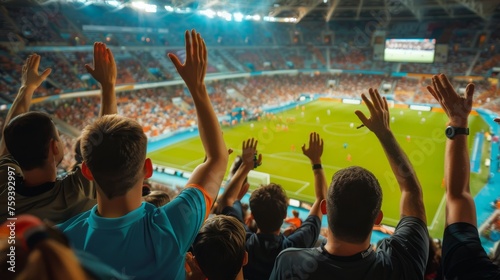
column 463, row 255
column 401, row 256
column 264, row 248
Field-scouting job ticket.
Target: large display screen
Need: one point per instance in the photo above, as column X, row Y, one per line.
column 410, row 50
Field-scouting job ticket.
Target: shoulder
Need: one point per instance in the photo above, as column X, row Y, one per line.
column 75, row 223
column 9, row 164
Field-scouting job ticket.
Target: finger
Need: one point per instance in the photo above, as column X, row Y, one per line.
column 386, row 107
column 259, row 159
column 368, row 104
column 89, row 69
column 111, row 58
column 380, row 99
column 446, row 83
column 440, row 88
column 200, row 47
column 36, row 63
column 321, row 144
column 433, row 93
column 469, row 93
column 194, row 42
column 362, row 117
column 188, row 46
column 255, row 144
column 46, row 73
column 304, row 148
column 311, row 139
column 375, row 99
column 229, row 151
column 175, row 60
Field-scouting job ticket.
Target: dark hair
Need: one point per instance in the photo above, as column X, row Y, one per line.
column 114, row 149
column 354, row 200
column 28, row 137
column 219, row 247
column 268, row 205
column 157, row 198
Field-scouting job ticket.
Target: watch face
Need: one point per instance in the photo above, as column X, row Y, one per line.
column 450, row 132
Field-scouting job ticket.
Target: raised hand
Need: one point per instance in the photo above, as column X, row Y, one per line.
column 30, row 76
column 315, row 149
column 195, row 67
column 378, row 122
column 104, row 70
column 456, row 107
column 249, row 157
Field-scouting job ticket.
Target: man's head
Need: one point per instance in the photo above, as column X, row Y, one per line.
column 219, row 248
column 268, row 205
column 32, row 139
column 353, row 202
column 114, row 153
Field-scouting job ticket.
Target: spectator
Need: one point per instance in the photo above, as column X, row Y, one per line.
column 295, row 220
column 157, row 198
column 31, row 149
column 219, row 248
column 268, row 205
column 353, row 206
column 463, row 257
column 122, row 225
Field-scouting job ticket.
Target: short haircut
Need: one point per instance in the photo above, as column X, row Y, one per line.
column 354, row 200
column 28, row 137
column 157, row 198
column 219, row 247
column 114, row 149
column 268, row 205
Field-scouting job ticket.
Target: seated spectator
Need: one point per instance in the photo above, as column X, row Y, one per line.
column 353, row 204
column 463, row 257
column 295, row 220
column 219, row 248
column 123, row 231
column 31, row 150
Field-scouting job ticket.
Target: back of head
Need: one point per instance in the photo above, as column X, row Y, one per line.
column 353, row 201
column 219, row 247
column 114, row 149
column 157, row 198
column 268, row 205
column 27, row 138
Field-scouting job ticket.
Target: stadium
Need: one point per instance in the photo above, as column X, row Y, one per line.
column 277, row 71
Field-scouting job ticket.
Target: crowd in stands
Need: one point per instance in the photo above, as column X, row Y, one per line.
column 113, row 223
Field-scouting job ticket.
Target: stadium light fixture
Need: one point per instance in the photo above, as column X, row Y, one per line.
column 169, row 8
column 238, row 16
column 140, row 5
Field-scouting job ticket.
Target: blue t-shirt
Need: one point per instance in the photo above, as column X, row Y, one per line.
column 147, row 243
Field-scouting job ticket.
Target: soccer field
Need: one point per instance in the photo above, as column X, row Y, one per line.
column 344, row 146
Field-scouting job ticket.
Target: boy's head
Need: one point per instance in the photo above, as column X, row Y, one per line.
column 268, row 205
column 114, row 151
column 157, row 198
column 32, row 138
column 353, row 202
column 219, row 247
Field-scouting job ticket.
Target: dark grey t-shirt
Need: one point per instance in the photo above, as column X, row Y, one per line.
column 401, row 256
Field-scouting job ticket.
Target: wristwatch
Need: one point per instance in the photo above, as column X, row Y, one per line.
column 451, row 131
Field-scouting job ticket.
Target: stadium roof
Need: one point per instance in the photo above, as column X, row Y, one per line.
column 322, row 10
column 327, row 10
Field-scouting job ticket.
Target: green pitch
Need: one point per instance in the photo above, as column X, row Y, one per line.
column 284, row 161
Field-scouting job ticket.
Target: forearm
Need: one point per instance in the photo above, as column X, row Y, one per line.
column 233, row 188
column 108, row 101
column 320, row 192
column 208, row 125
column 411, row 191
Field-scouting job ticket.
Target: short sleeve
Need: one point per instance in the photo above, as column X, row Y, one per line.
column 307, row 234
column 409, row 245
column 186, row 214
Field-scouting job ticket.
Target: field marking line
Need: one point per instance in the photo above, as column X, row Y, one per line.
column 188, row 165
column 438, row 212
column 304, row 183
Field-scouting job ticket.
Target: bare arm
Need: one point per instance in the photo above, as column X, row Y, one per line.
column 105, row 72
column 233, row 189
column 314, row 153
column 209, row 174
column 412, row 203
column 460, row 205
column 30, row 81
